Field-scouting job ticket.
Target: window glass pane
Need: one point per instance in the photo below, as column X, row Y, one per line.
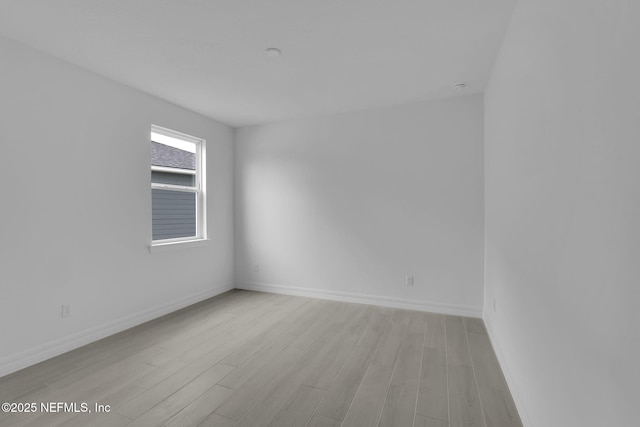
column 173, row 214
column 173, row 178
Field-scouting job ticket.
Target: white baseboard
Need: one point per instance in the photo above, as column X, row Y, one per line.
column 56, row 347
column 525, row 416
column 457, row 310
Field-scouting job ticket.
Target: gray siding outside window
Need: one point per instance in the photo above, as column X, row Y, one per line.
column 173, row 178
column 173, row 214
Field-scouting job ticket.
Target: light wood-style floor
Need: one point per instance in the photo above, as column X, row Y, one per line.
column 256, row 359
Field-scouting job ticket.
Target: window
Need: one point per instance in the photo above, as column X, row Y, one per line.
column 177, row 187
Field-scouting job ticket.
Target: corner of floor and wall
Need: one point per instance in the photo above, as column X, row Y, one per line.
column 518, row 205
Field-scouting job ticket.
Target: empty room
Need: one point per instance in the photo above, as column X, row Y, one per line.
column 335, row 213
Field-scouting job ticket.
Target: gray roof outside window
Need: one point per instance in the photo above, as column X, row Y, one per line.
column 171, row 157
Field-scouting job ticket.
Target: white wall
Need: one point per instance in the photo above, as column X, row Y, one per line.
column 563, row 210
column 345, row 206
column 75, row 220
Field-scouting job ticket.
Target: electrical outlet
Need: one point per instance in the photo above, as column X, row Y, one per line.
column 256, row 268
column 408, row 280
column 66, row 310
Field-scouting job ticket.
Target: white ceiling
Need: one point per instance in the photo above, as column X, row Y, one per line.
column 208, row 55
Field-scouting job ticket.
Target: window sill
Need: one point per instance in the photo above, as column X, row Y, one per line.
column 169, row 246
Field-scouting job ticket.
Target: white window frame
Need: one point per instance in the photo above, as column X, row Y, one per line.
column 199, row 189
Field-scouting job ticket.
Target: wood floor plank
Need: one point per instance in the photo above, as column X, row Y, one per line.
column 218, row 323
column 269, row 399
column 320, row 421
column 433, row 396
column 402, row 316
column 243, row 373
column 208, row 353
column 97, row 420
column 180, row 327
column 13, row 420
column 367, row 404
column 298, row 411
column 93, row 374
column 457, row 347
column 244, row 398
column 215, row 420
column 326, row 370
column 99, row 386
column 255, row 299
column 251, row 324
column 388, row 350
column 152, row 397
column 200, row 408
column 182, row 398
column 286, row 318
column 474, row 326
column 270, row 402
column 109, row 379
column 433, row 391
column 435, row 336
column 318, row 309
column 319, row 327
column 497, row 404
column 341, row 392
column 422, row 421
column 400, row 404
column 117, row 397
column 326, row 356
column 50, row 419
column 464, row 402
